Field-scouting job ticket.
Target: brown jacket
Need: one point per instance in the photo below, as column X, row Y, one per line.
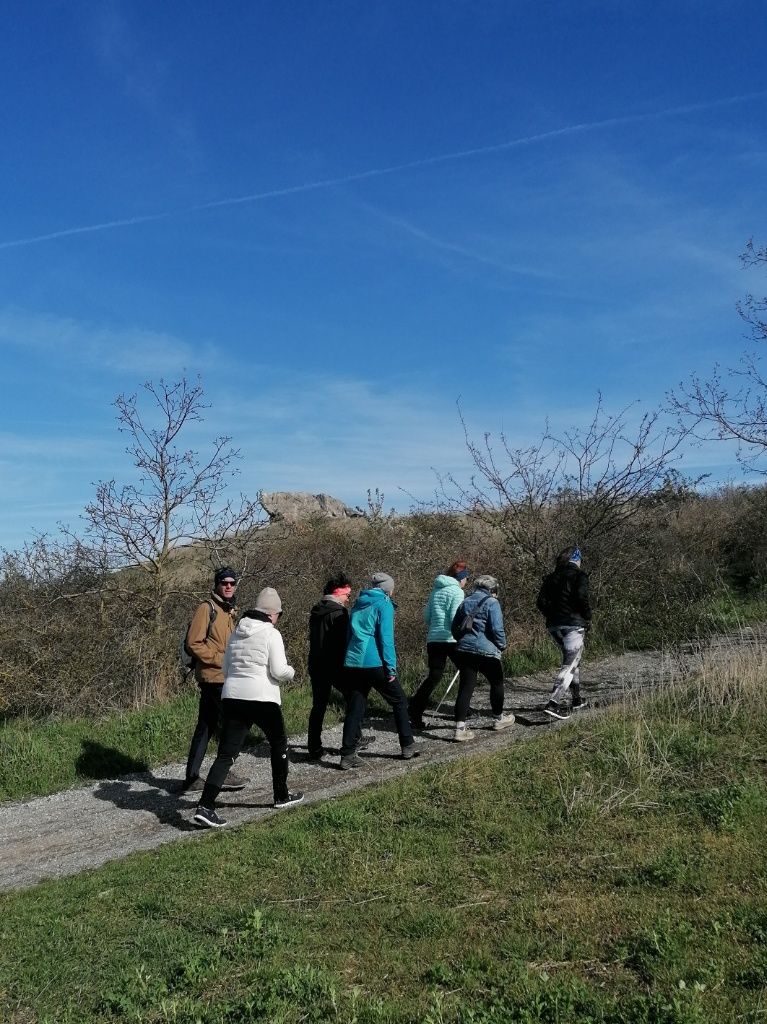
column 207, row 640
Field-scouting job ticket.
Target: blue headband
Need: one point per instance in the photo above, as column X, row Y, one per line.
column 462, row 574
column 576, row 556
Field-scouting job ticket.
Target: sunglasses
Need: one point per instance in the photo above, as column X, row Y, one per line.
column 228, row 583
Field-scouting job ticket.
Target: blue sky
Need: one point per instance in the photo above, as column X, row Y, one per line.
column 345, row 215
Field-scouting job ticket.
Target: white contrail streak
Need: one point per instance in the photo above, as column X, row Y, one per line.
column 380, row 172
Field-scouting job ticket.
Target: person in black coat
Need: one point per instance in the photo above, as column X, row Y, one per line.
column 564, row 601
column 328, row 635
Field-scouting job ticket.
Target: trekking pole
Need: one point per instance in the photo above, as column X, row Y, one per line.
column 453, row 681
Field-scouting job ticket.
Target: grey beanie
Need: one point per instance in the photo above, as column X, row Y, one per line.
column 486, row 583
column 268, row 601
column 382, row 581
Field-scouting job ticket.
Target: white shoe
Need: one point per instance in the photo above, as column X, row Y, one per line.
column 503, row 722
column 463, row 735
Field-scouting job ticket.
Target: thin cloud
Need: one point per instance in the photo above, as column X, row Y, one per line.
column 456, row 248
column 379, row 172
column 127, row 350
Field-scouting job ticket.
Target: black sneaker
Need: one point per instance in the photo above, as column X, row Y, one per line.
column 192, row 785
column 290, row 799
column 556, row 711
column 417, row 722
column 206, row 817
column 233, row 781
column 580, row 705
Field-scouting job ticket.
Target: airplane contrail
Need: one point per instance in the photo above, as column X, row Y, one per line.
column 380, row 172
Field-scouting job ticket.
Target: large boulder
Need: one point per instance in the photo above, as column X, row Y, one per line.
column 293, row 505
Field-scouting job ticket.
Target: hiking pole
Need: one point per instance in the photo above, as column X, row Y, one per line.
column 453, row 681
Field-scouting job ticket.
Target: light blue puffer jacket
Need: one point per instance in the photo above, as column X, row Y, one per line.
column 444, row 600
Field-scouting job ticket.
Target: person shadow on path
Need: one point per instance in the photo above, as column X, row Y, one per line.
column 99, row 762
column 161, row 799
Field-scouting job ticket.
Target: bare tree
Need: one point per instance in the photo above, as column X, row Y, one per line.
column 578, row 485
column 134, row 530
column 731, row 404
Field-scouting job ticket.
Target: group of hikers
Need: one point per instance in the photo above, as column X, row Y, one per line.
column 239, row 666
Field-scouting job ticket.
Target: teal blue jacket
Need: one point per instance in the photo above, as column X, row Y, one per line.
column 371, row 633
column 444, row 601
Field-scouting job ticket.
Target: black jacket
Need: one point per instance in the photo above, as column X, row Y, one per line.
column 328, row 635
column 564, row 597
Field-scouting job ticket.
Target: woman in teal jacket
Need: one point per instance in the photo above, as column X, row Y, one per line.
column 371, row 664
column 445, row 599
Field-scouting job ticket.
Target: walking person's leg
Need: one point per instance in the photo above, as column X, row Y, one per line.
column 466, row 684
column 268, row 717
column 236, row 719
column 492, row 670
column 358, row 682
column 394, row 695
column 208, row 716
column 436, row 654
column 320, row 696
column 362, row 741
column 570, row 641
column 579, row 702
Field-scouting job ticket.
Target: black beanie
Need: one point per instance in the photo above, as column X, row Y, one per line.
column 224, row 573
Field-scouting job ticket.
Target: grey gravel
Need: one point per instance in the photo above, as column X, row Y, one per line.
column 83, row 828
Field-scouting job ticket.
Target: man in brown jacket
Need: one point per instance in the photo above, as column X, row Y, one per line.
column 212, row 624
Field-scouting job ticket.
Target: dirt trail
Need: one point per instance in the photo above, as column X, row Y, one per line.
column 83, row 828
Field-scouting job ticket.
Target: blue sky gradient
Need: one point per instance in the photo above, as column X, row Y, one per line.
column 346, row 215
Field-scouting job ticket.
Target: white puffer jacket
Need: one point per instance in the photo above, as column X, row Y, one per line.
column 255, row 662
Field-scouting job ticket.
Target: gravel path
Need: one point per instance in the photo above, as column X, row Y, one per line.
column 83, row 828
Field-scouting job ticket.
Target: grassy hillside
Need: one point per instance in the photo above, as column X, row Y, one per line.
column 613, row 871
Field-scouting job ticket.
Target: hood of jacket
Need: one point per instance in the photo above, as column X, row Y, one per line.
column 370, row 598
column 326, row 605
column 443, row 581
column 248, row 626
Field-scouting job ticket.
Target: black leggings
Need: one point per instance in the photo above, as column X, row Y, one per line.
column 237, row 716
column 488, row 666
column 437, row 655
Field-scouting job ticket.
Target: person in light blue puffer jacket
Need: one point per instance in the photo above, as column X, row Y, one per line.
column 445, row 599
column 479, row 651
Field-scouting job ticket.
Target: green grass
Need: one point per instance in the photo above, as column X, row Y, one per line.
column 42, row 757
column 611, row 872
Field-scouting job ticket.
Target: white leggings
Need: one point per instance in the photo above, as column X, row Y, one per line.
column 569, row 639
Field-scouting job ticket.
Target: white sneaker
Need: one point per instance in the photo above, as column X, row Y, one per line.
column 463, row 735
column 503, row 722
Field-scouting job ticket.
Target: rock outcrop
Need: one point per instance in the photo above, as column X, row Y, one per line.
column 290, row 506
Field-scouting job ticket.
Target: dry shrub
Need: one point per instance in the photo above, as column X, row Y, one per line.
column 72, row 642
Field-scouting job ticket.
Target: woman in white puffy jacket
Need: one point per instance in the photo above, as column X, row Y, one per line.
column 254, row 666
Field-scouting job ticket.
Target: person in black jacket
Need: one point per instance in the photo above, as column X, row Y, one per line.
column 564, row 600
column 328, row 635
